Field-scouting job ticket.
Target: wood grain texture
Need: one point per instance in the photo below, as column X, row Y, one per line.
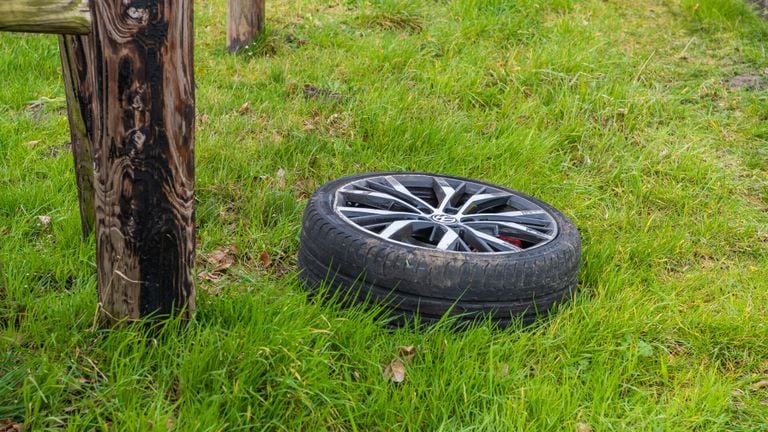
column 245, row 21
column 143, row 136
column 45, row 16
column 75, row 50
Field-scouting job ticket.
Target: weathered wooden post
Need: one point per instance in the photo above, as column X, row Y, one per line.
column 143, row 135
column 130, row 94
column 245, row 21
column 75, row 50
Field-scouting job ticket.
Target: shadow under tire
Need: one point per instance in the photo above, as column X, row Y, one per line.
column 432, row 244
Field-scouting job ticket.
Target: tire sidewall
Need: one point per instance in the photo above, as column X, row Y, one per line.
column 443, row 274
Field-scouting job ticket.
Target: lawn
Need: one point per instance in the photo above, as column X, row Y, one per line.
column 645, row 121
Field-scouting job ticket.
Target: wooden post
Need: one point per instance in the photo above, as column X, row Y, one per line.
column 131, row 96
column 143, row 136
column 75, row 51
column 45, row 16
column 245, row 21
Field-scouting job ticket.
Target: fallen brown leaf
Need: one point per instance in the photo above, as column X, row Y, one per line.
column 209, row 276
column 10, row 426
column 265, row 259
column 280, row 176
column 761, row 384
column 737, row 399
column 244, row 108
column 205, row 118
column 222, row 258
column 407, row 353
column 583, row 427
column 33, row 144
column 395, row 371
column 309, row 125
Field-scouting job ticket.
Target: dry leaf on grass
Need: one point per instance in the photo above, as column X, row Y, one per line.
column 309, row 125
column 86, row 380
column 223, row 258
column 280, row 176
column 209, row 276
column 33, row 144
column 761, row 384
column 737, row 398
column 395, row 371
column 44, row 221
column 244, row 108
column 583, row 427
column 406, row 353
column 205, row 118
column 10, row 426
column 265, row 259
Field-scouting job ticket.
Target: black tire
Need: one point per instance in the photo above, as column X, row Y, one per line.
column 359, row 265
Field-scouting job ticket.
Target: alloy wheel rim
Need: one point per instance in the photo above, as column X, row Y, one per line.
column 444, row 213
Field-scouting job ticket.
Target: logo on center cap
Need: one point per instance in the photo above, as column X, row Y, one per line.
column 444, row 218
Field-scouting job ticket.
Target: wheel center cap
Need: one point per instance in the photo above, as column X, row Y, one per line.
column 444, row 218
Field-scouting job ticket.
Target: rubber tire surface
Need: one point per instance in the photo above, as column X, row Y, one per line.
column 359, row 266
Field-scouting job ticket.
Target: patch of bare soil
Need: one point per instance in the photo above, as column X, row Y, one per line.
column 762, row 7
column 748, row 81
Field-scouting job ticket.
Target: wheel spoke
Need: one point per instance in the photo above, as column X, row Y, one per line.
column 396, row 189
column 513, row 226
column 502, row 216
column 396, row 227
column 354, row 212
column 445, row 193
column 491, row 243
column 378, row 200
column 473, row 204
column 367, row 216
column 448, row 241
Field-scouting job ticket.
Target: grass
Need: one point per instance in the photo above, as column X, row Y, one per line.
column 620, row 113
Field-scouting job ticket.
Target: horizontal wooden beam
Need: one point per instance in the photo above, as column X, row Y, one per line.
column 45, row 16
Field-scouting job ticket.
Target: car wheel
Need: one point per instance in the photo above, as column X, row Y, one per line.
column 431, row 244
